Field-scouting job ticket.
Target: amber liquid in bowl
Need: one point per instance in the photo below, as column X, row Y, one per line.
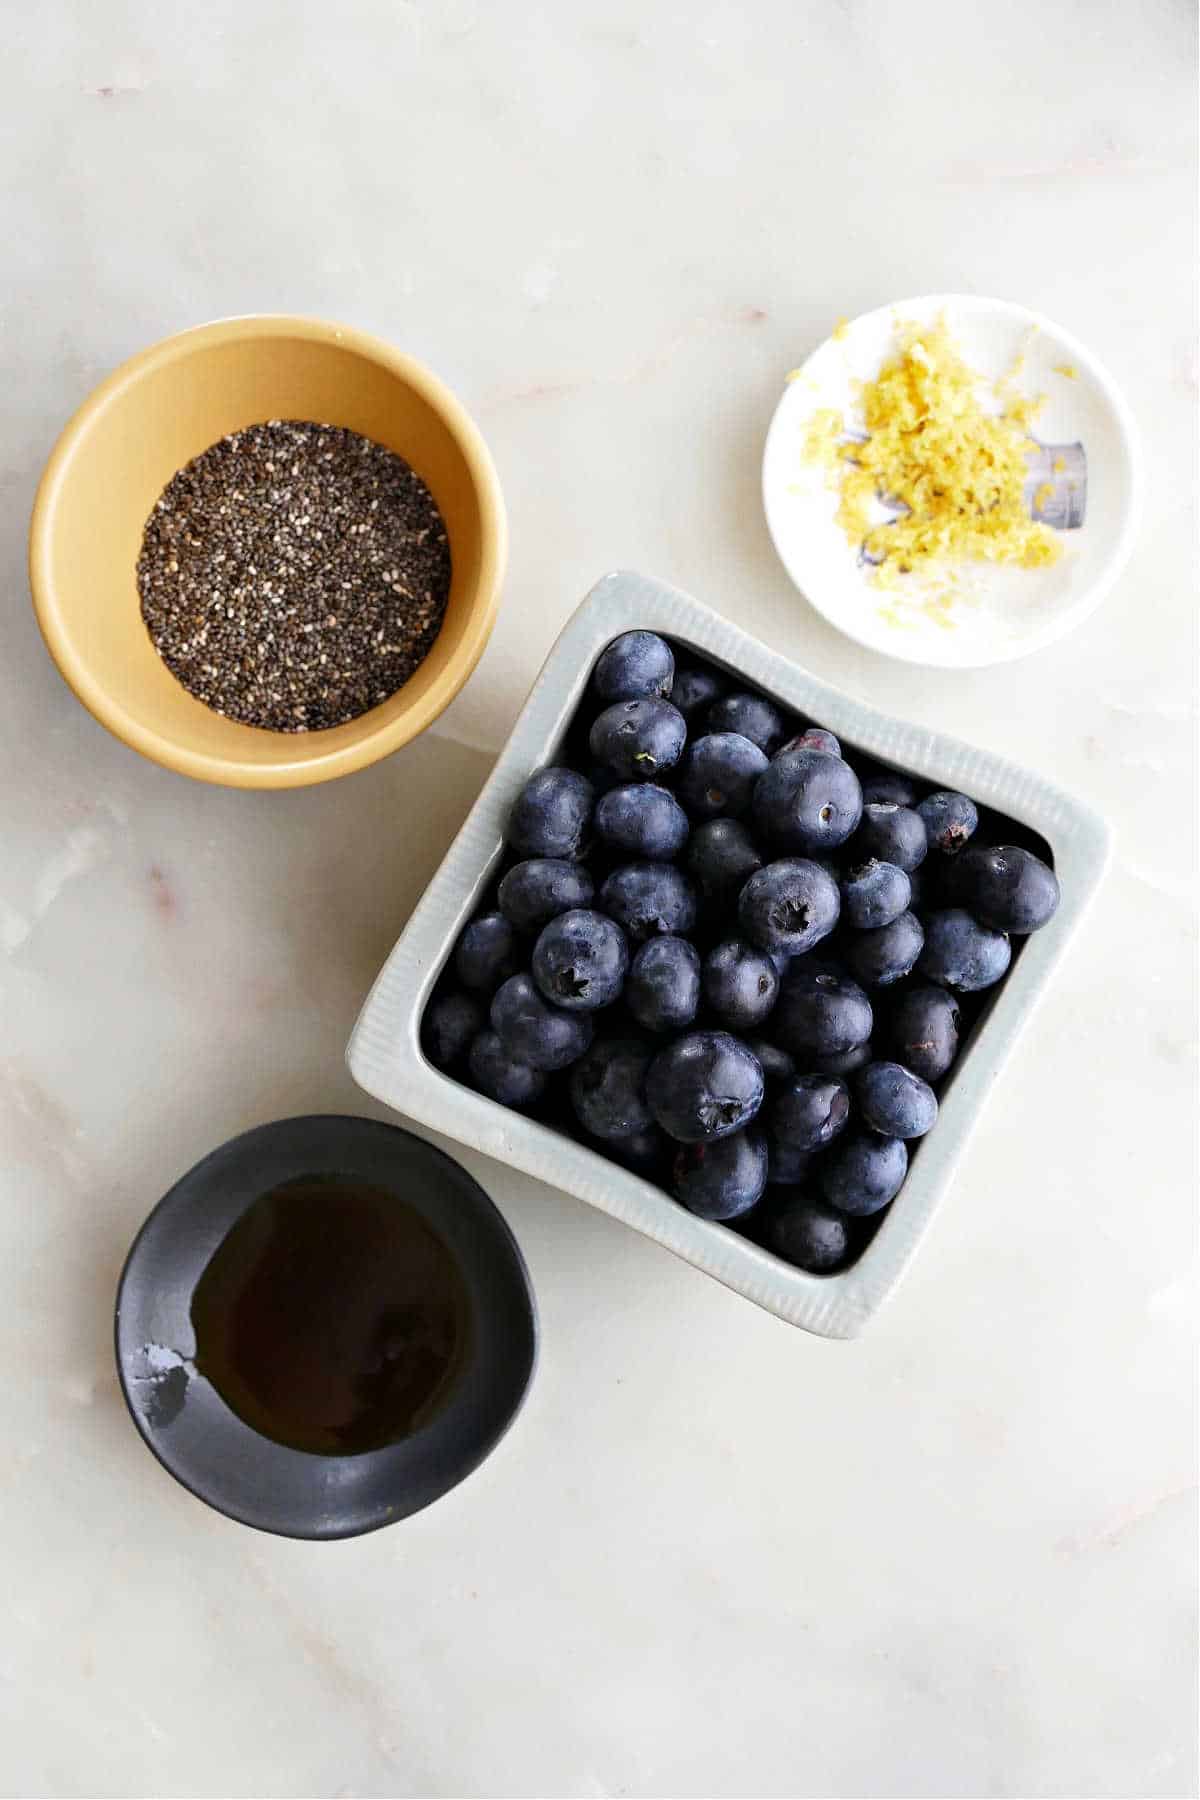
column 331, row 1318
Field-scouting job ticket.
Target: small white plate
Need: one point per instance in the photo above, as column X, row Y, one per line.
column 1002, row 612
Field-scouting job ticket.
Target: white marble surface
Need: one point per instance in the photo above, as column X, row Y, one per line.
column 716, row 1556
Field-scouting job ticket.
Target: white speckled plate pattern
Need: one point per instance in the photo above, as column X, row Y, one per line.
column 385, row 1053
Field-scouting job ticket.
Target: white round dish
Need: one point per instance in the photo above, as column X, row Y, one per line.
column 998, row 613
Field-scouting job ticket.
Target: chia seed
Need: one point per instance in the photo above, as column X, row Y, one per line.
column 294, row 575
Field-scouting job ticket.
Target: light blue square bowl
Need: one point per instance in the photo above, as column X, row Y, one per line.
column 385, row 1054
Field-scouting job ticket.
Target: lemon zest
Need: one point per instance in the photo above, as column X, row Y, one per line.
column 931, row 445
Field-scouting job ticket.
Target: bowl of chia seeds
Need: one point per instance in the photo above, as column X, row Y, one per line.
column 268, row 551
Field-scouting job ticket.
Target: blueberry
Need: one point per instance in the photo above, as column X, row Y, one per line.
column 863, row 1172
column 813, row 737
column 807, row 800
column 785, row 1164
column 950, row 819
column 810, row 1112
column 607, row 1088
column 640, row 739
column 642, row 820
column 721, row 1180
column 636, row 666
column 750, row 716
column 923, row 1030
column 961, row 953
column 694, row 688
column 888, row 785
column 497, row 1073
column 840, row 1062
column 536, row 891
column 894, row 1101
column 1007, row 888
column 821, row 1014
column 720, row 855
column 579, row 961
column 662, row 989
column 880, row 957
column 741, row 984
column 812, row 1236
column 649, row 899
column 892, row 834
column 789, row 905
column 533, row 1031
column 874, row 893
column 451, row 1022
column 552, row 814
column 486, row 953
column 704, row 1085
column 645, row 1152
column 718, row 773
column 777, row 1065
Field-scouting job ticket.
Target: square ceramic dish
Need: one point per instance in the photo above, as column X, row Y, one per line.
column 385, row 1054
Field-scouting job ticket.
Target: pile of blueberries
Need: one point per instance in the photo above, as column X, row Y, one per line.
column 730, row 957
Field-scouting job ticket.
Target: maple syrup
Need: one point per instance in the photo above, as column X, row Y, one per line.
column 332, row 1318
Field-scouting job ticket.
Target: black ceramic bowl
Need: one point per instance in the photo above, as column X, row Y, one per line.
column 206, row 1446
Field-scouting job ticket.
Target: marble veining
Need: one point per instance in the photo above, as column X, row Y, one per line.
column 715, row 1556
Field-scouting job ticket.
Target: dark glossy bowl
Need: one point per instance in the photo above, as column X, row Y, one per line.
column 232, row 1467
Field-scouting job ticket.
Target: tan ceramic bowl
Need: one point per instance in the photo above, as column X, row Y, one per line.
column 163, row 408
